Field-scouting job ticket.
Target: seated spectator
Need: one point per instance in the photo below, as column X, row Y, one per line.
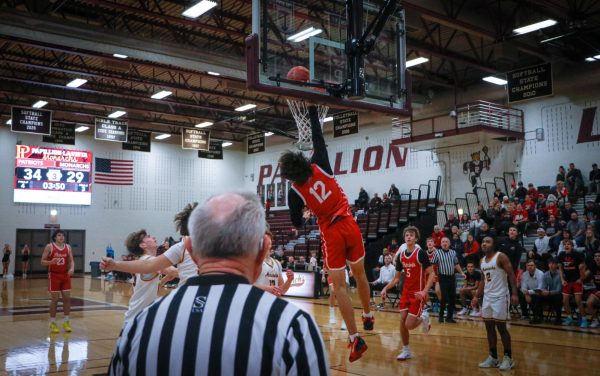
column 301, row 264
column 561, row 176
column 505, row 202
column 591, row 244
column 512, row 248
column 529, row 206
column 375, row 203
column 386, row 274
column 385, row 201
column 550, row 295
column 520, row 219
column 593, row 274
column 541, row 202
column 268, row 207
column 289, row 264
column 472, row 251
column 532, row 282
column 313, row 264
column 484, row 231
column 452, row 221
column 490, row 214
column 591, row 213
column 481, row 211
column 363, row 200
column 577, row 228
column 437, row 236
column 550, row 209
column 566, row 211
column 566, row 235
column 594, row 179
column 394, row 193
column 308, row 217
column 561, row 193
column 532, row 192
column 574, row 179
column 469, row 290
column 503, row 221
column 464, row 225
column 380, row 263
column 571, row 266
column 541, row 247
column 520, row 192
column 392, row 247
column 475, row 225
column 499, row 194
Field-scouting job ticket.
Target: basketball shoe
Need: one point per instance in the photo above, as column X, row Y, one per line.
column 66, row 326
column 368, row 322
column 506, row 364
column 405, row 354
column 54, row 327
column 426, row 322
column 357, row 348
column 463, row 311
column 489, row 362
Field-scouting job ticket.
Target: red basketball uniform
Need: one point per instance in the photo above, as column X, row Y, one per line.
column 414, row 265
column 340, row 233
column 58, row 274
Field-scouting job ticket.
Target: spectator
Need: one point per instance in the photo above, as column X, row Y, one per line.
column 566, row 211
column 458, row 246
column 529, row 206
column 541, row 202
column 386, row 274
column 574, row 179
column 363, row 199
column 577, row 228
column 571, row 267
column 512, row 248
column 268, row 207
column 594, row 179
column 550, row 294
column 385, row 201
column 520, row 219
column 469, row 289
column 452, row 221
column 561, row 176
column 475, row 225
column 301, row 264
column 308, row 217
column 227, row 235
column 481, row 211
column 532, row 282
column 550, row 209
column 591, row 213
column 561, row 193
column 437, row 236
column 532, row 191
column 380, row 263
column 484, row 231
column 394, row 193
column 541, row 247
column 313, row 264
column 499, row 194
column 591, row 244
column 290, row 263
column 505, row 202
column 375, row 203
column 520, row 192
column 472, row 251
column 566, row 236
column 490, row 214
column 464, row 226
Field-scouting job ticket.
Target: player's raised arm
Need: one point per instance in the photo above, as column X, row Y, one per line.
column 319, row 157
column 296, row 205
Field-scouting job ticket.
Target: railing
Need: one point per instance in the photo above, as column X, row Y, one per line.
column 462, row 205
column 413, row 205
column 482, row 113
column 501, row 183
column 424, row 194
column 434, row 192
column 482, row 196
column 472, row 202
column 404, row 207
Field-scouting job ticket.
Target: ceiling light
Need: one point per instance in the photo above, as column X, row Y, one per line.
column 82, row 128
column 117, row 114
column 161, row 94
column 199, row 9
column 204, row 124
column 590, row 59
column 77, row 82
column 417, row 61
column 226, row 144
column 9, row 122
column 162, row 136
column 120, row 56
column 534, row 27
column 39, row 104
column 304, row 34
column 245, row 107
column 53, row 212
column 268, row 134
column 495, row 80
column 597, row 57
column 213, row 73
column 327, row 119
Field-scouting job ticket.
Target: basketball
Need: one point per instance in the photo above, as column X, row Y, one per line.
column 298, row 73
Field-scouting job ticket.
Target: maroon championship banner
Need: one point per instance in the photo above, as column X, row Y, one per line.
column 52, row 176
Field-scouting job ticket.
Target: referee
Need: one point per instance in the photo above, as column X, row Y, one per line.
column 447, row 263
column 218, row 323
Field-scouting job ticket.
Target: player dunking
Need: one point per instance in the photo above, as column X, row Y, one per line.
column 497, row 273
column 59, row 259
column 418, row 278
column 314, row 186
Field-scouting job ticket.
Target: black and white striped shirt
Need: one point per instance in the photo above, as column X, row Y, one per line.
column 446, row 261
column 220, row 325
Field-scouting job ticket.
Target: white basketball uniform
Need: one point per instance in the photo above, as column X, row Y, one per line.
column 180, row 256
column 270, row 273
column 145, row 292
column 495, row 293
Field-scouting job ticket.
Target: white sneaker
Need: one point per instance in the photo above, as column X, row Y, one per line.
column 475, row 313
column 489, row 363
column 332, row 319
column 594, row 324
column 463, row 312
column 506, row 364
column 426, row 323
column 404, row 355
column 343, row 327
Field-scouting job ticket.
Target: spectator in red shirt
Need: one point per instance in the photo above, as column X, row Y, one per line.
column 529, row 207
column 471, row 251
column 520, row 219
column 437, row 236
column 532, row 191
column 550, row 209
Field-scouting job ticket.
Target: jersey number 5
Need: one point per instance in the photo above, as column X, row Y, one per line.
column 322, row 195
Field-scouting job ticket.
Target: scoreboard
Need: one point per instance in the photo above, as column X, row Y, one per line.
column 52, row 176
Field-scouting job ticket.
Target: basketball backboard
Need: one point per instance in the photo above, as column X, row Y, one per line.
column 313, row 34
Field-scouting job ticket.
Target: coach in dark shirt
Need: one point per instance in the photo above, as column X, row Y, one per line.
column 218, row 323
column 512, row 248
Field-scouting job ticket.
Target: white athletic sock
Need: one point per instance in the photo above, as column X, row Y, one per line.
column 352, row 337
column 369, row 315
column 406, row 348
column 66, row 318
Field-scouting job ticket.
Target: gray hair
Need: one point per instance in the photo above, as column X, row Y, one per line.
column 228, row 225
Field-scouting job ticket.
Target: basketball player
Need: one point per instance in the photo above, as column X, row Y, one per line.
column 418, row 278
column 57, row 256
column 431, row 250
column 314, row 186
column 175, row 255
column 270, row 278
column 497, row 274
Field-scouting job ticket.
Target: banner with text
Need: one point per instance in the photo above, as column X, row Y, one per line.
column 31, row 120
column 215, row 151
column 256, row 143
column 111, row 129
column 137, row 141
column 529, row 83
column 61, row 134
column 195, row 139
column 345, row 123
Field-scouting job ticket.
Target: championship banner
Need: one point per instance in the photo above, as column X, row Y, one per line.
column 529, row 83
column 31, row 120
column 256, row 143
column 137, row 141
column 108, row 129
column 61, row 134
column 215, row 151
column 195, row 139
column 345, row 123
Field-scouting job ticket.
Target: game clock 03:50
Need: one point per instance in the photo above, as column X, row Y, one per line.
column 52, row 175
column 54, row 186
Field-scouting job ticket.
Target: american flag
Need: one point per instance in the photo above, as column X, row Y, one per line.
column 114, row 171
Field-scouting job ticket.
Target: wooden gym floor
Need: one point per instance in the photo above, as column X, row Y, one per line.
column 26, row 348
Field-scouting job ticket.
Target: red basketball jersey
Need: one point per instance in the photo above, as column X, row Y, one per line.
column 62, row 255
column 322, row 194
column 432, row 260
column 414, row 270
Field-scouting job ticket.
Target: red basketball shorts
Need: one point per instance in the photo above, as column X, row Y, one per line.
column 342, row 241
column 572, row 288
column 59, row 282
column 412, row 304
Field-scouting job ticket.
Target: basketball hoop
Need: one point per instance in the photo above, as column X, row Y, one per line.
column 299, row 111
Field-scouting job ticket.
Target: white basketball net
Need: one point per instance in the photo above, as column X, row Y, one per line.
column 299, row 111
